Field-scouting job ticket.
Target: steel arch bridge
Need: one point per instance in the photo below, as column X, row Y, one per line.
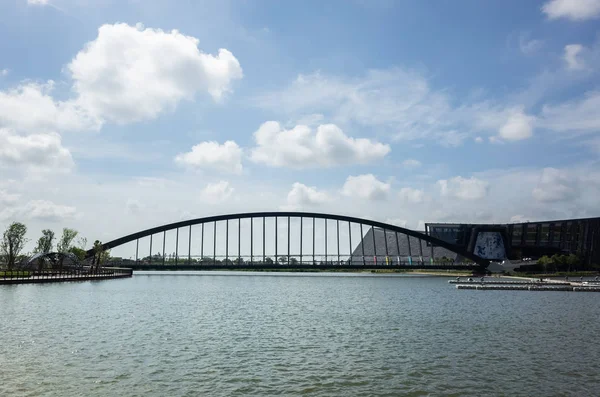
column 383, row 245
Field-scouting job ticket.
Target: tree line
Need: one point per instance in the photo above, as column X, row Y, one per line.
column 14, row 240
column 559, row 262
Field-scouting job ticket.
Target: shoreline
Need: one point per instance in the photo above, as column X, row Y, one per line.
column 442, row 273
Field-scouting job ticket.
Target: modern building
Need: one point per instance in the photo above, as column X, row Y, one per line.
column 516, row 241
column 386, row 248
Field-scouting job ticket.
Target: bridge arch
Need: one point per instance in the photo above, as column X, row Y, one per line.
column 382, row 242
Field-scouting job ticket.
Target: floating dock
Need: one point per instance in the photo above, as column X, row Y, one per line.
column 504, row 282
column 495, row 287
column 550, row 285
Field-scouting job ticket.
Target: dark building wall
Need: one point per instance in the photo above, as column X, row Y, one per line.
column 534, row 239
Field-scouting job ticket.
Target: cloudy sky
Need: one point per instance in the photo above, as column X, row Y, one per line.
column 120, row 115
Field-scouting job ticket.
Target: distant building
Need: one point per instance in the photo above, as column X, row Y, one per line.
column 378, row 247
column 517, row 241
column 497, row 242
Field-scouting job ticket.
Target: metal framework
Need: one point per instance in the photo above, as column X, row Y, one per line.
column 52, row 260
column 373, row 227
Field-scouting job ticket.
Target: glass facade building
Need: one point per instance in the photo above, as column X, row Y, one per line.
column 532, row 239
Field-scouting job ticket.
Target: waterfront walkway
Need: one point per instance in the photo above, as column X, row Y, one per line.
column 54, row 277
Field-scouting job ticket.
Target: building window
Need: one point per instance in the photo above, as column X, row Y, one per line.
column 516, row 234
column 545, row 233
column 531, row 235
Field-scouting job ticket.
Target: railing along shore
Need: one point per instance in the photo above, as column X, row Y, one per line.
column 28, row 276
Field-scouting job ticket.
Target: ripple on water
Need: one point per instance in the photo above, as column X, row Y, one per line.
column 318, row 335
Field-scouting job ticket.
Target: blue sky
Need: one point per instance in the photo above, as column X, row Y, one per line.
column 120, row 115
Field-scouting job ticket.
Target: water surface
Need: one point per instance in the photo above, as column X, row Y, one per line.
column 222, row 334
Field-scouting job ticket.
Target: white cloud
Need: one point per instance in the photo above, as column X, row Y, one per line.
column 395, row 101
column 574, row 117
column 42, row 210
column 463, row 188
column 299, row 147
column 518, row 219
column 555, row 185
column 133, row 206
column 575, row 10
column 47, row 210
column 478, row 139
column 216, row 192
column 43, row 152
column 529, row 46
column 8, row 199
column 399, row 99
column 225, row 158
column 411, row 163
column 16, row 110
column 519, row 126
column 509, row 123
column 37, row 2
column 410, row 195
column 4, row 72
column 302, row 196
column 130, row 74
column 366, row 187
column 396, row 221
column 571, row 56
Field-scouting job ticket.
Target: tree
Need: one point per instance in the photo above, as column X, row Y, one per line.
column 45, row 243
column 104, row 257
column 13, row 241
column 66, row 240
column 572, row 261
column 544, row 261
column 65, row 243
column 98, row 249
column 82, row 243
column 78, row 252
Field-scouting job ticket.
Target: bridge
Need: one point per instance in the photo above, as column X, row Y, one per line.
column 293, row 240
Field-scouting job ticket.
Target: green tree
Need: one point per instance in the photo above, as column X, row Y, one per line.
column 572, row 261
column 544, row 261
column 98, row 253
column 78, row 252
column 66, row 240
column 65, row 243
column 13, row 241
column 45, row 243
column 82, row 243
column 104, row 257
